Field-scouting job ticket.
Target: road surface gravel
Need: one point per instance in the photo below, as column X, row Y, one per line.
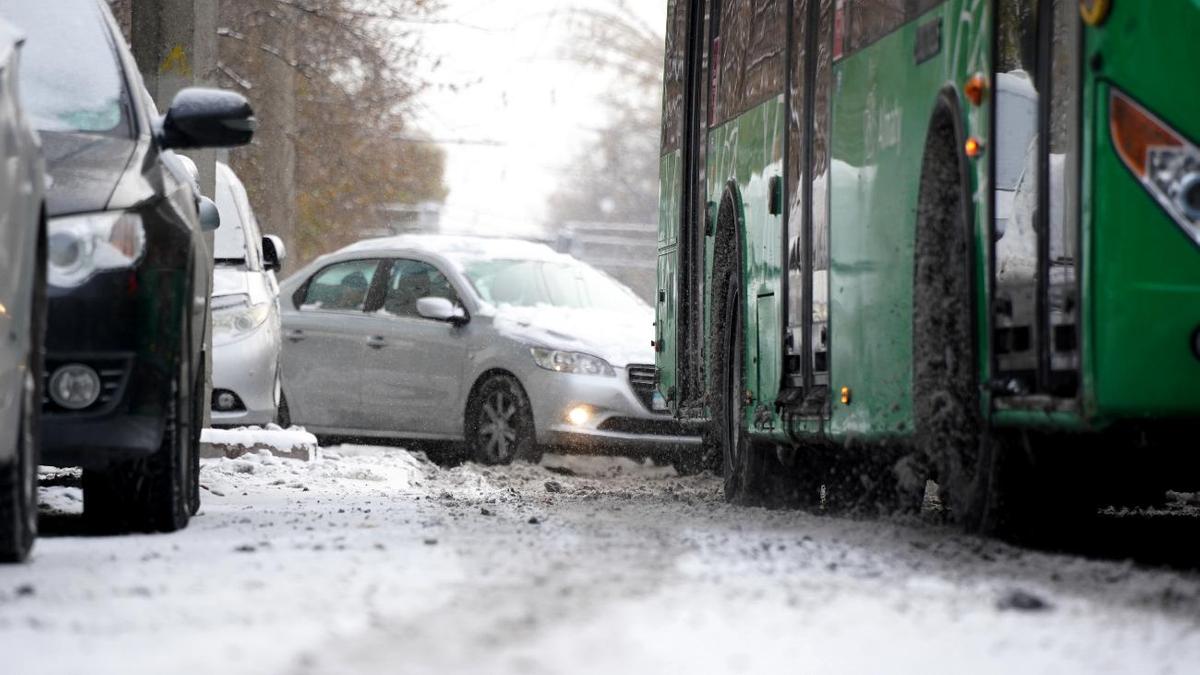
column 374, row 560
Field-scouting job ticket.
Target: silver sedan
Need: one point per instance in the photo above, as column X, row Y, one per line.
column 505, row 344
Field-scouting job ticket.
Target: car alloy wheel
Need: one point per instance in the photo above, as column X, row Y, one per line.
column 497, row 426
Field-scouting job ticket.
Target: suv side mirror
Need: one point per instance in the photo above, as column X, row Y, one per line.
column 273, row 253
column 441, row 309
column 210, row 217
column 207, row 118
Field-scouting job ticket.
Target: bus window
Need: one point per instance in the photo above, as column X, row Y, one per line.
column 674, row 74
column 753, row 37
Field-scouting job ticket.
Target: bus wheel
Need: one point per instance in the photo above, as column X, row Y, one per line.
column 946, row 403
column 749, row 470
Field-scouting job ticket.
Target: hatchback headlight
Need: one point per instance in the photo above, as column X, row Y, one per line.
column 234, row 316
column 571, row 362
column 79, row 246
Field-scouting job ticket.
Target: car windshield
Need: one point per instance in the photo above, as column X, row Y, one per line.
column 229, row 241
column 532, row 283
column 71, row 80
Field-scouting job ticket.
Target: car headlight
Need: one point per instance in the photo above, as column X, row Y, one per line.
column 571, row 362
column 234, row 316
column 79, row 246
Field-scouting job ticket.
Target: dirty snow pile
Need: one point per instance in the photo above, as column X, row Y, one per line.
column 350, row 468
column 271, row 437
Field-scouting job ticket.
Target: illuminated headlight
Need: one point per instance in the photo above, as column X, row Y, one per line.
column 579, row 415
column 571, row 362
column 1167, row 164
column 79, row 246
column 234, row 316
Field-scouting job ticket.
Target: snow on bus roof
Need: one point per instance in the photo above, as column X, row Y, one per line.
column 462, row 247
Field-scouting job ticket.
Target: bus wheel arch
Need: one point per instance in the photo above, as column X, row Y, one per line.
column 951, row 432
column 752, row 473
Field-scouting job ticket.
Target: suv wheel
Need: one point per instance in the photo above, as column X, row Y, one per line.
column 152, row 494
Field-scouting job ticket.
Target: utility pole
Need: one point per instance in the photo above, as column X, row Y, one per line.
column 175, row 44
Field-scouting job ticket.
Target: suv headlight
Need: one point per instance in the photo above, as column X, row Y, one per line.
column 234, row 316
column 571, row 362
column 79, row 246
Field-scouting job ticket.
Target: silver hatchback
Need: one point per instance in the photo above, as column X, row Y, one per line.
column 505, row 344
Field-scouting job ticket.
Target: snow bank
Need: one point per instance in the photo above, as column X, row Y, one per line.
column 294, row 442
column 329, row 471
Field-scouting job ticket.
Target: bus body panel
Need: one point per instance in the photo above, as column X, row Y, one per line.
column 883, row 103
column 745, row 154
column 666, row 324
column 1145, row 271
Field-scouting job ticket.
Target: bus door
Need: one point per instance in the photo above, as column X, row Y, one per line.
column 1035, row 180
column 810, row 74
column 682, row 301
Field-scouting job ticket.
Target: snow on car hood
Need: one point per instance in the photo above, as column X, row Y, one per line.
column 229, row 281
column 620, row 338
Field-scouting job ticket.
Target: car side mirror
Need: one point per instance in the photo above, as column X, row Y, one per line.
column 210, row 217
column 441, row 309
column 207, row 118
column 273, row 253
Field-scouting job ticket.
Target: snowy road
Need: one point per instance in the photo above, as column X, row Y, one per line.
column 375, row 561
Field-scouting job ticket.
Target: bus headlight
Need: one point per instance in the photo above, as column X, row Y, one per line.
column 1167, row 165
column 79, row 246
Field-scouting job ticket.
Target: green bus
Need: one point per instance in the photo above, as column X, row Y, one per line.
column 948, row 240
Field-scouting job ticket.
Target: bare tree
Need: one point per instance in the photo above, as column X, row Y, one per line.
column 615, row 178
column 332, row 83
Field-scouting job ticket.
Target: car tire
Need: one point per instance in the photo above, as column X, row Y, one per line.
column 499, row 422
column 150, row 494
column 283, row 415
column 18, row 480
column 195, row 428
column 18, row 485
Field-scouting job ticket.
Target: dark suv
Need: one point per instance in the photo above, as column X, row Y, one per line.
column 129, row 271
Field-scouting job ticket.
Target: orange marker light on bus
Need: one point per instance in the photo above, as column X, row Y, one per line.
column 976, row 89
column 973, row 147
column 1135, row 131
column 845, row 395
column 1094, row 12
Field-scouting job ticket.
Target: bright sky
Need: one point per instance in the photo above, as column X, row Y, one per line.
column 524, row 113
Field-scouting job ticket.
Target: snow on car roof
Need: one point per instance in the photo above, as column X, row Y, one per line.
column 461, row 247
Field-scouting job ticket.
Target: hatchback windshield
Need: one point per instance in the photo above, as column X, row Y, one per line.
column 530, row 283
column 71, row 80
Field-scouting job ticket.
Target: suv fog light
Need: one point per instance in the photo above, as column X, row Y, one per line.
column 75, row 386
column 579, row 415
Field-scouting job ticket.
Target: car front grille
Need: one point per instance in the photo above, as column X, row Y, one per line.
column 644, row 427
column 643, row 379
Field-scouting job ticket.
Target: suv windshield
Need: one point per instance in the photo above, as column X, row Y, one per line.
column 530, row 283
column 71, row 80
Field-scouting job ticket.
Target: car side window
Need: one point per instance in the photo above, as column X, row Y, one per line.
column 341, row 287
column 411, row 280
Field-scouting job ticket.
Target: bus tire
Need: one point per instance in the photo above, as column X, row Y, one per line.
column 1016, row 485
column 946, row 393
column 750, row 470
